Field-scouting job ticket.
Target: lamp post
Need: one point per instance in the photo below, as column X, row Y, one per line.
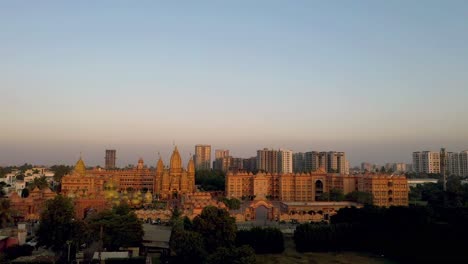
column 69, row 244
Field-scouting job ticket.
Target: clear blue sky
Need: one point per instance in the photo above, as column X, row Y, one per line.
column 377, row 79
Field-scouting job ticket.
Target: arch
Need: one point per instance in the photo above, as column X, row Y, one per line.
column 256, row 204
column 318, row 189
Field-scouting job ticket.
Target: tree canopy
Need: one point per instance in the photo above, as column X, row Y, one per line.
column 121, row 227
column 210, row 180
column 216, row 226
column 56, row 223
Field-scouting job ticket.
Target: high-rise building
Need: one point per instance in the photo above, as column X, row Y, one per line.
column 221, row 153
column 267, row 160
column 426, row 162
column 202, row 157
column 250, row 164
column 110, row 159
column 464, row 163
column 332, row 162
column 298, row 162
column 285, row 161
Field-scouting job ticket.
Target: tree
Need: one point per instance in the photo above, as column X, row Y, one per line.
column 5, row 212
column 240, row 255
column 262, row 240
column 359, row 197
column 210, row 180
column 56, row 223
column 25, row 193
column 121, row 227
column 60, row 171
column 232, row 203
column 40, row 183
column 216, row 226
column 188, row 246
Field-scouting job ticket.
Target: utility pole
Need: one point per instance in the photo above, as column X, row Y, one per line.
column 100, row 245
column 443, row 165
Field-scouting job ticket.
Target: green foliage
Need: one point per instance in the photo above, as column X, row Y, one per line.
column 216, row 226
column 439, row 233
column 240, row 255
column 359, row 197
column 210, row 180
column 60, row 171
column 56, row 223
column 335, row 195
column 4, row 171
column 20, row 177
column 5, row 212
column 188, row 246
column 433, row 193
column 40, row 183
column 262, row 240
column 121, row 228
column 233, row 203
column 25, row 193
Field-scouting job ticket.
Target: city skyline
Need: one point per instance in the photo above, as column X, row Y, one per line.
column 375, row 80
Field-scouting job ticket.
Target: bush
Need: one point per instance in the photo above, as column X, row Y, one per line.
column 262, row 240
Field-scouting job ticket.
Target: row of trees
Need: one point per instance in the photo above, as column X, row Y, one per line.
column 210, row 180
column 108, row 229
column 210, row 238
column 433, row 193
column 406, row 234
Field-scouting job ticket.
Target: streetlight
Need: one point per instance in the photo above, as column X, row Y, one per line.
column 69, row 244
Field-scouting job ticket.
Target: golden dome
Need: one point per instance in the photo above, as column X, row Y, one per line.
column 148, row 197
column 80, row 167
column 176, row 161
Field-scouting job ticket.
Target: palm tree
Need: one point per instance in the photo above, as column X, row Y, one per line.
column 5, row 212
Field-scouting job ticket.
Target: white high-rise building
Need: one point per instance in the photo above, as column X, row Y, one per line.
column 426, row 162
column 285, row 161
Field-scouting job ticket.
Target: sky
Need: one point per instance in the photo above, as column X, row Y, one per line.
column 376, row 79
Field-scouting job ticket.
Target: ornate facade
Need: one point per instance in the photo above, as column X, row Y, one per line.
column 163, row 182
column 309, row 187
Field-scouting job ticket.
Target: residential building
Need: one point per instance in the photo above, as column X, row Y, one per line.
column 221, row 153
column 202, row 157
column 298, row 162
column 250, row 164
column 426, row 162
column 110, row 159
column 285, row 161
column 267, row 160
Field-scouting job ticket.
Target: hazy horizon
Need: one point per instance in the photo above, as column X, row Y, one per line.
column 377, row 80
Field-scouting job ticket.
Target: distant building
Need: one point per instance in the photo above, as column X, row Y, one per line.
column 202, row 157
column 221, row 153
column 298, row 162
column 267, row 160
column 110, row 159
column 250, row 164
column 426, row 162
column 228, row 163
column 331, row 161
column 285, row 161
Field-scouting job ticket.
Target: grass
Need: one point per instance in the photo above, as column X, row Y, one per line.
column 290, row 256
